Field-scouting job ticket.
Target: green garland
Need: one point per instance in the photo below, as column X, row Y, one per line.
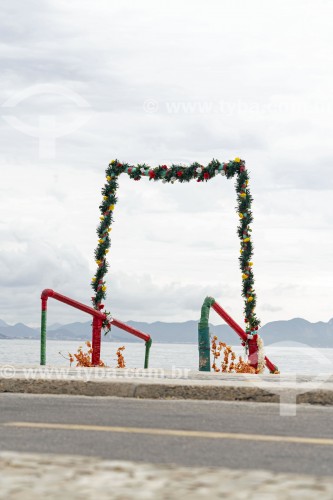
column 179, row 173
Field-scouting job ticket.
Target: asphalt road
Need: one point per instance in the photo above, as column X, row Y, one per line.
column 246, row 435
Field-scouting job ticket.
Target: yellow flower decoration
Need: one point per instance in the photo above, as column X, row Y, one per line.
column 102, row 217
column 100, row 241
column 105, row 197
column 250, row 299
column 237, row 160
column 106, row 251
column 111, row 207
column 243, row 195
column 241, row 216
column 108, row 177
column 244, row 276
column 93, row 279
column 250, row 264
column 103, row 288
column 246, row 239
column 110, row 229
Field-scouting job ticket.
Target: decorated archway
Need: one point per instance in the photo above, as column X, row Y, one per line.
column 175, row 173
column 179, row 173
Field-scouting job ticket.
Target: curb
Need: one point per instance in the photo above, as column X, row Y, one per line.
column 166, row 389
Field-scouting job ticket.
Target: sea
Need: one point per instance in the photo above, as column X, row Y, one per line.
column 290, row 358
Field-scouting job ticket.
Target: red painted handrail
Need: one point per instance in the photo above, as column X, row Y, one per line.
column 228, row 319
column 242, row 334
column 73, row 303
column 98, row 319
column 130, row 329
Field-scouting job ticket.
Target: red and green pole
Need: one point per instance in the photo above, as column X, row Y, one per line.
column 98, row 319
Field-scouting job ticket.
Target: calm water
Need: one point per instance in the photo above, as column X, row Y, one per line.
column 296, row 358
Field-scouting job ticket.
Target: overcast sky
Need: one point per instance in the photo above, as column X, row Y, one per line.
column 84, row 82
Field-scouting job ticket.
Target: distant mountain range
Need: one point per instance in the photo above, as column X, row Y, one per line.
column 296, row 330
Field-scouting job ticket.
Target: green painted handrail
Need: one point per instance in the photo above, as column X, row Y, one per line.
column 203, row 335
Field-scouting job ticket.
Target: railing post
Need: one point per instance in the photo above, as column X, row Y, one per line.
column 43, row 331
column 96, row 340
column 253, row 351
column 203, row 336
column 148, row 346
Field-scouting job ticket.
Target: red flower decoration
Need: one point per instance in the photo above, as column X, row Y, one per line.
column 180, row 173
column 130, row 170
column 206, row 175
column 151, row 174
column 164, row 166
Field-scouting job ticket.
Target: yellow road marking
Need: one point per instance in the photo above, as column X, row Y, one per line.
column 173, row 432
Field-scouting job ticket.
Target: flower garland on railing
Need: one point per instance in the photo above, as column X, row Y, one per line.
column 172, row 174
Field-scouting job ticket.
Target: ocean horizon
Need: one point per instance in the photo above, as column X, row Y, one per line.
column 289, row 358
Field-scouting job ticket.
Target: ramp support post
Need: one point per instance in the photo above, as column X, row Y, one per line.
column 148, row 346
column 203, row 336
column 43, row 331
column 96, row 340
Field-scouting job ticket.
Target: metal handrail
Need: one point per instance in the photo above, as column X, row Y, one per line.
column 98, row 319
column 204, row 339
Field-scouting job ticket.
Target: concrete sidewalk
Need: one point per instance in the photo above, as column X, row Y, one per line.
column 162, row 384
column 26, row 476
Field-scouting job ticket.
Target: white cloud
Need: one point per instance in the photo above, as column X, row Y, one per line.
column 136, row 295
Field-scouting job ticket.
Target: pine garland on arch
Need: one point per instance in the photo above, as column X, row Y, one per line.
column 172, row 174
